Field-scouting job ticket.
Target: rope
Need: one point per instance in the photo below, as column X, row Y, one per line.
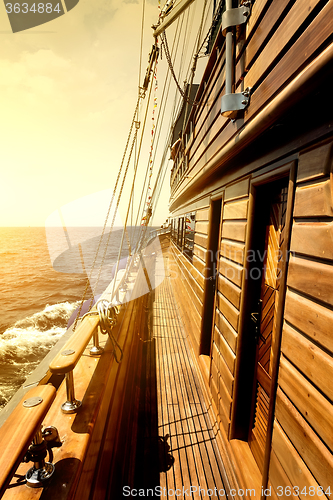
column 107, row 320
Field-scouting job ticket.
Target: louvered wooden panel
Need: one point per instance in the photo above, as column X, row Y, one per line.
column 269, row 296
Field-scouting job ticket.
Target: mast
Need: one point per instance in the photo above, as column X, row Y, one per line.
column 170, row 18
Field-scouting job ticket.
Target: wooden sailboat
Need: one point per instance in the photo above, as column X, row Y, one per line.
column 224, row 388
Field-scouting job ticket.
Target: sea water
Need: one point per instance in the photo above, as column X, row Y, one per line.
column 39, row 292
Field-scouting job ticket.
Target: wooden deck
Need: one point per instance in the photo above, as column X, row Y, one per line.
column 186, row 445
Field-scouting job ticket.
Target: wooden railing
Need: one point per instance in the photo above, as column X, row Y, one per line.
column 19, row 430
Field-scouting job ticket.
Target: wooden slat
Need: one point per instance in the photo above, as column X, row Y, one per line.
column 238, row 190
column 200, row 252
column 201, row 227
column 226, row 330
column 235, row 210
column 201, row 239
column 315, row 162
column 292, row 464
column 229, row 290
column 277, row 475
column 231, row 271
column 313, row 239
column 199, row 264
column 312, row 450
column 257, row 41
column 295, row 17
column 220, row 408
column 313, row 319
column 234, row 230
column 202, row 215
column 223, row 369
column 314, row 201
column 315, row 408
column 224, row 349
column 232, row 251
column 229, row 311
column 311, row 278
column 314, row 363
column 222, row 390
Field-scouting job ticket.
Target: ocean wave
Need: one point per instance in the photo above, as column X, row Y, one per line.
column 31, row 338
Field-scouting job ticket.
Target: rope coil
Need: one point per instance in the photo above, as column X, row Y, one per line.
column 107, row 320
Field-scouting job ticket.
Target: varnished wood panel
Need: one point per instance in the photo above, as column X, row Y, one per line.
column 295, row 17
column 222, row 390
column 229, row 311
column 277, row 475
column 226, row 330
column 315, row 162
column 202, row 214
column 292, row 463
column 313, row 239
column 312, row 450
column 314, row 407
column 229, row 290
column 313, row 319
column 234, row 230
column 257, row 42
column 314, row 363
column 220, row 408
column 235, row 210
column 224, row 349
column 201, row 239
column 314, row 200
column 200, row 252
column 312, row 278
column 232, row 251
column 201, row 227
column 237, row 190
column 199, row 264
column 231, row 271
column 223, row 369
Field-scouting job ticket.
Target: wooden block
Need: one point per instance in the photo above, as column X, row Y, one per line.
column 311, row 278
column 229, row 290
column 314, row 407
column 314, row 201
column 223, row 414
column 234, row 230
column 313, row 239
column 235, row 210
column 223, row 369
column 237, row 190
column 199, row 264
column 226, row 330
column 315, row 162
column 224, row 349
column 201, row 227
column 277, row 475
column 228, row 310
column 314, row 363
column 293, row 465
column 201, row 239
column 314, row 453
column 232, row 251
column 201, row 215
column 222, row 390
column 311, row 318
column 230, row 270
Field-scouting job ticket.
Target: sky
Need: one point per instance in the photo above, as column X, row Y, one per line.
column 68, row 89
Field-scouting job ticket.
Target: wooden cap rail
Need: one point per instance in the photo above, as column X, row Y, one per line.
column 19, row 430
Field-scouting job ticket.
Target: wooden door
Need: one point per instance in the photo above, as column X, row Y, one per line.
column 267, row 316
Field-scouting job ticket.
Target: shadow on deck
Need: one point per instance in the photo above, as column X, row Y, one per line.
column 177, row 454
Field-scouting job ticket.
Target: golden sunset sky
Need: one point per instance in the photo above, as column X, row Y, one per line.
column 67, row 94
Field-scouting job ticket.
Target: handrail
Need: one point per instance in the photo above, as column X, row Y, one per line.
column 19, row 430
column 66, row 360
